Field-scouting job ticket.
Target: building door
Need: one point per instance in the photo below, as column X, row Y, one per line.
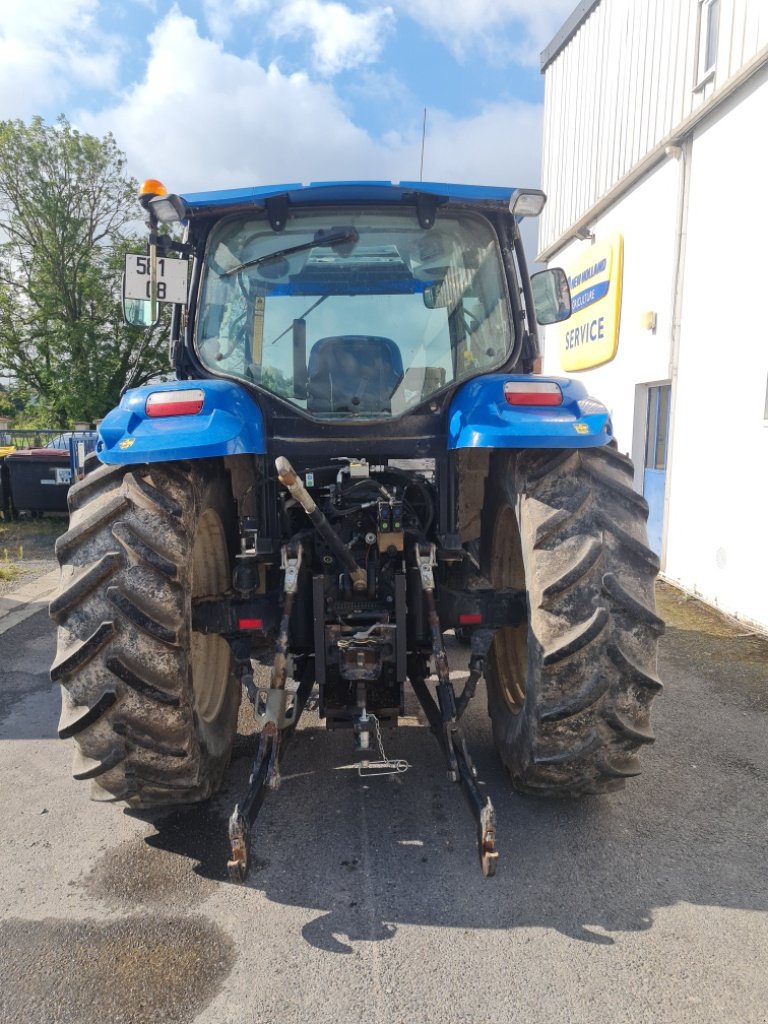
column 655, row 471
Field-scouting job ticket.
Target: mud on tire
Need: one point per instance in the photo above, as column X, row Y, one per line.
column 151, row 705
column 569, row 691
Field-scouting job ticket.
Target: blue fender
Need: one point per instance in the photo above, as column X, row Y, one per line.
column 481, row 417
column 229, row 423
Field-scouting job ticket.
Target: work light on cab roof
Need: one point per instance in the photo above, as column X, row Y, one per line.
column 527, row 202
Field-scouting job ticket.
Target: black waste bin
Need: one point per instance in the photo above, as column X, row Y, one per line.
column 38, row 479
column 4, row 491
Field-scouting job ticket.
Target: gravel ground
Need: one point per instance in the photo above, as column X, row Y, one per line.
column 28, row 545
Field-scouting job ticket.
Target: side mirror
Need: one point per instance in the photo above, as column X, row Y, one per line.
column 139, row 312
column 551, row 296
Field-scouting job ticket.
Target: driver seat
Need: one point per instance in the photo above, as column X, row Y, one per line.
column 354, row 373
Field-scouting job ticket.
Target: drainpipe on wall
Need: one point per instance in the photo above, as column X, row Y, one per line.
column 682, row 151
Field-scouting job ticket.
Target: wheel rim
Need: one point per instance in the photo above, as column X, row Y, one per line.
column 510, row 646
column 210, row 653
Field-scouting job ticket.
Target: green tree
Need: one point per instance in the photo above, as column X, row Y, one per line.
column 68, row 214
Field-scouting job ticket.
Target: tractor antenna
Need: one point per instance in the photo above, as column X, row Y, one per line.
column 423, row 140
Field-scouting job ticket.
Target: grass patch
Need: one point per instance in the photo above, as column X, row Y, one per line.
column 27, row 540
column 8, row 572
column 15, row 533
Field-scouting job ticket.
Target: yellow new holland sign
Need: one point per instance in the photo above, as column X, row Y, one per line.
column 590, row 337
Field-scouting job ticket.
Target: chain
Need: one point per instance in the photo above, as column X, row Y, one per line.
column 385, row 766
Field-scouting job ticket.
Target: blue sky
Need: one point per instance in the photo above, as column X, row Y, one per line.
column 220, row 93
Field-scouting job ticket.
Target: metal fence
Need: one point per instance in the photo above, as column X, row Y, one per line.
column 28, row 438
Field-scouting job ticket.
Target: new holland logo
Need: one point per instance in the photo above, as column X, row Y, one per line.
column 126, row 443
column 581, row 428
column 590, row 337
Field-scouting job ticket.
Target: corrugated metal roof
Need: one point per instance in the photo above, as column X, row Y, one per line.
column 571, row 26
column 626, row 84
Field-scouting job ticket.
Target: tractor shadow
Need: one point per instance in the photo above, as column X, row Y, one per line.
column 372, row 854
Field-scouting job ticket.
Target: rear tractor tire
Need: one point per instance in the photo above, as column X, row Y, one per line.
column 570, row 689
column 152, row 705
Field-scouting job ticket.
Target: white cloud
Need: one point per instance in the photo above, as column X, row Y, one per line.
column 509, row 30
column 501, row 145
column 341, row 39
column 204, row 119
column 42, row 20
column 220, row 15
column 48, row 48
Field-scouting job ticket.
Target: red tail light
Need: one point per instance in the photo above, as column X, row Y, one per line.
column 533, row 392
column 175, row 403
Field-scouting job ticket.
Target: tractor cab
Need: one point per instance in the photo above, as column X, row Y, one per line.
column 293, row 312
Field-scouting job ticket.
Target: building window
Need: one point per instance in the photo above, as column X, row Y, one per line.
column 657, row 427
column 709, row 20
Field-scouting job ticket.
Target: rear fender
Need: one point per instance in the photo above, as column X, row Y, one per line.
column 229, row 423
column 481, row 417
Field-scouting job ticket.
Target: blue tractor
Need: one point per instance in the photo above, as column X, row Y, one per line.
column 358, row 454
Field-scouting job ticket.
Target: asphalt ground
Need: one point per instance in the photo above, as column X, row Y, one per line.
column 366, row 903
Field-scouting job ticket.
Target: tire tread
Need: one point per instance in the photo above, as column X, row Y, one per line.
column 593, row 628
column 123, row 654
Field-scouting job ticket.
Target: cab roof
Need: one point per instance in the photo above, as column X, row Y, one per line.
column 324, row 192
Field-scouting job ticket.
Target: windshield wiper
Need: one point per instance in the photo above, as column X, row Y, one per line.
column 331, row 238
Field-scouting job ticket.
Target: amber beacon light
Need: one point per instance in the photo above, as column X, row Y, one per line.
column 151, row 189
column 160, row 204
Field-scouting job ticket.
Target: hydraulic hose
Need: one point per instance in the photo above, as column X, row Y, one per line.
column 290, row 479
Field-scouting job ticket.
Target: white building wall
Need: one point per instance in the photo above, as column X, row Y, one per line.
column 716, row 539
column 717, row 534
column 646, row 218
column 620, row 91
